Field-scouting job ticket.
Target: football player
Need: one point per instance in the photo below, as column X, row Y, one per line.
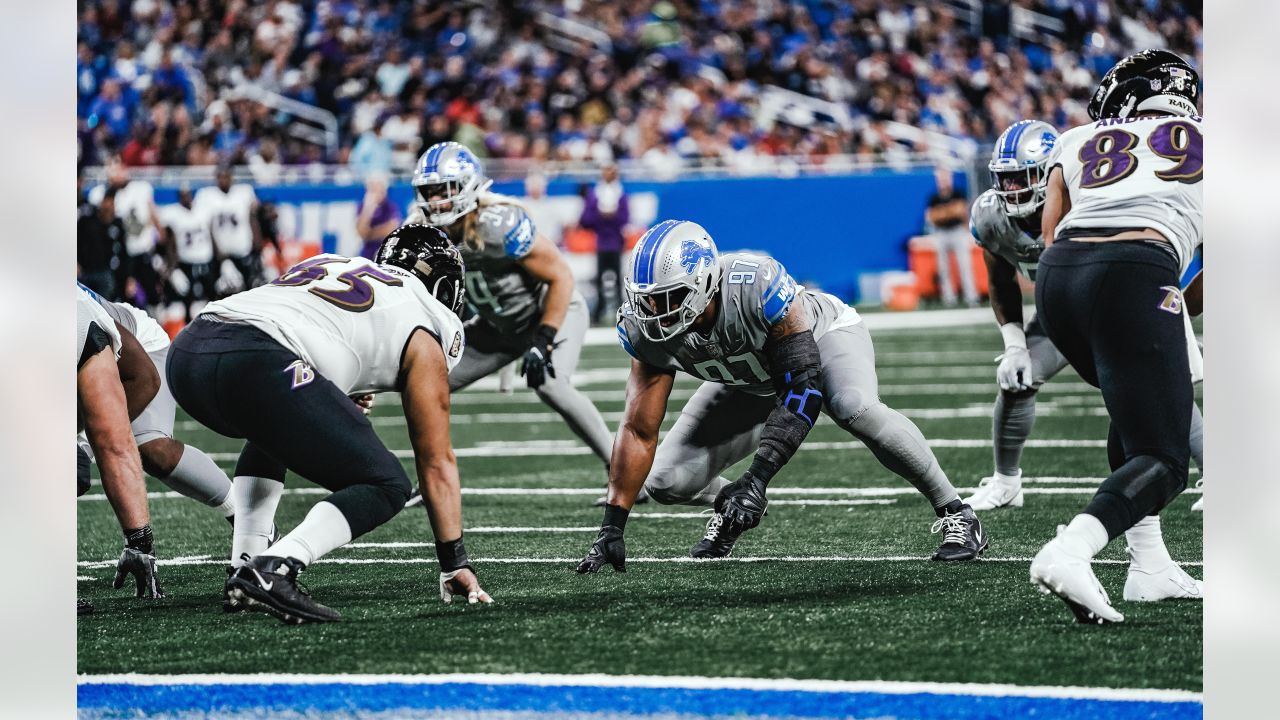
column 114, row 382
column 773, row 356
column 135, row 206
column 182, row 467
column 1123, row 218
column 277, row 366
column 192, row 254
column 230, row 211
column 1005, row 221
column 520, row 290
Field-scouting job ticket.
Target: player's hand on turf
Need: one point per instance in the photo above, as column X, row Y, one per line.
column 462, row 583
column 1014, row 371
column 142, row 566
column 365, row 402
column 742, row 502
column 610, row 548
column 536, row 365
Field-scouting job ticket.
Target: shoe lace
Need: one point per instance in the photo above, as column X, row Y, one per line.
column 986, row 481
column 954, row 527
column 713, row 527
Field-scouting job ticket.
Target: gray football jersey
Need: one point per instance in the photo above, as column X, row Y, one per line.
column 499, row 290
column 755, row 293
column 994, row 230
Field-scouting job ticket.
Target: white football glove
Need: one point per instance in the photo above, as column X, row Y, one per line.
column 1014, row 371
column 462, row 580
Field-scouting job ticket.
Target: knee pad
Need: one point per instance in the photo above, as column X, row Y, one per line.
column 662, row 489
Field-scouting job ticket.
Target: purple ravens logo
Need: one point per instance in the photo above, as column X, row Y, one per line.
column 692, row 254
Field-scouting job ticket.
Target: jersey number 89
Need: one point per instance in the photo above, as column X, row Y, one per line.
column 1107, row 156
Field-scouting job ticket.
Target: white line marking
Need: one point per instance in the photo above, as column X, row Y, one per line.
column 209, row 560
column 655, row 681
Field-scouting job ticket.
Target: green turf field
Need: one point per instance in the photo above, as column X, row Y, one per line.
column 839, row 588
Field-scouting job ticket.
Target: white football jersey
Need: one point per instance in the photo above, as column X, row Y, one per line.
column 88, row 313
column 142, row 326
column 1125, row 173
column 133, row 207
column 190, row 233
column 348, row 318
column 228, row 214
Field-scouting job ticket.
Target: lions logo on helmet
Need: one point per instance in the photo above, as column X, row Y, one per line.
column 675, row 271
column 1019, row 163
column 448, row 181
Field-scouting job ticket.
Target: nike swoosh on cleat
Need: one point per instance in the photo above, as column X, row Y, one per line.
column 262, row 581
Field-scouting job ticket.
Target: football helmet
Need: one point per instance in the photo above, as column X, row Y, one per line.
column 426, row 252
column 448, row 181
column 675, row 271
column 1150, row 80
column 1019, row 165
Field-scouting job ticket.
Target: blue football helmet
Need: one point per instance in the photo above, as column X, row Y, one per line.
column 448, row 181
column 1019, row 165
column 675, row 271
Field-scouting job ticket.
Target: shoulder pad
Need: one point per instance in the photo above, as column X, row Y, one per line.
column 505, row 230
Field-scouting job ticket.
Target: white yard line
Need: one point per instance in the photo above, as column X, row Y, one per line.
column 331, row 560
column 657, row 681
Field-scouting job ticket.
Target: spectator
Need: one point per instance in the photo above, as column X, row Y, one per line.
column 100, row 253
column 948, row 214
column 372, row 153
column 605, row 211
column 548, row 218
column 376, row 214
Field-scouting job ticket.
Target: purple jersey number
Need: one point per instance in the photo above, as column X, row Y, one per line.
column 1107, row 156
column 358, row 295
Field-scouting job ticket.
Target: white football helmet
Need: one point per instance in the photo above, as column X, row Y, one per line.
column 1019, row 165
column 448, row 181
column 675, row 271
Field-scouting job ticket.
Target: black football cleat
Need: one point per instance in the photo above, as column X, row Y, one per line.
column 271, row 583
column 718, row 541
column 415, row 499
column 963, row 536
column 83, row 607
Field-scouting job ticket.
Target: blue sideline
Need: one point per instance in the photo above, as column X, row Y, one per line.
column 638, row 702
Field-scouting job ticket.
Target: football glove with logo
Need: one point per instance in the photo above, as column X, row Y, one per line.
column 610, row 548
column 537, row 359
column 742, row 502
column 138, row 560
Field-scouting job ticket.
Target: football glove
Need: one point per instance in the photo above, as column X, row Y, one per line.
column 1014, row 371
column 537, row 359
column 742, row 502
column 608, row 548
column 142, row 566
column 462, row 582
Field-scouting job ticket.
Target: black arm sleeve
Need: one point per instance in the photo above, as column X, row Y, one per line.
column 796, row 373
column 95, row 341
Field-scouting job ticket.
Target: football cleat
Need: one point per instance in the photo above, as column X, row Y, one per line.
column 271, row 583
column 415, row 499
column 996, row 492
column 1070, row 577
column 1198, row 505
column 1168, row 583
column 718, row 541
column 963, row 537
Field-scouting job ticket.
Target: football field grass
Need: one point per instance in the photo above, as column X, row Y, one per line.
column 835, row 583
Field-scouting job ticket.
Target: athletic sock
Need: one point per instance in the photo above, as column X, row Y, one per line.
column 198, row 477
column 1146, row 545
column 951, row 508
column 322, row 531
column 255, row 500
column 1007, row 480
column 1084, row 536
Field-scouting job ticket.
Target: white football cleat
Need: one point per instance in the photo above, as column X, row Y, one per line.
column 1070, row 577
column 996, row 492
column 1168, row 583
column 1198, row 505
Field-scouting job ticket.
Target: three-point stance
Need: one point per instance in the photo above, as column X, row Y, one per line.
column 278, row 364
column 773, row 356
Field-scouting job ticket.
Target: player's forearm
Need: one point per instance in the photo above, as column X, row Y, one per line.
column 1006, row 293
column 122, row 479
column 442, row 496
column 559, row 292
column 632, row 459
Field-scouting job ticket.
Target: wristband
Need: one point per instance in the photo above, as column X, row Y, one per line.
column 1014, row 336
column 140, row 539
column 544, row 338
column 452, row 555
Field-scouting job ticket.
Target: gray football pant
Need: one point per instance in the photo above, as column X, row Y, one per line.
column 557, row 392
column 1015, row 412
column 720, row 426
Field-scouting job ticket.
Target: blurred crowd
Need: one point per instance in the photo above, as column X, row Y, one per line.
column 661, row 81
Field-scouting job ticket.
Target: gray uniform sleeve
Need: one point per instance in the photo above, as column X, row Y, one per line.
column 994, row 231
column 505, row 231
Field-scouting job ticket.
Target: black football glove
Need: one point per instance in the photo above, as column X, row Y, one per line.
column 138, row 559
column 537, row 359
column 742, row 502
column 608, row 548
